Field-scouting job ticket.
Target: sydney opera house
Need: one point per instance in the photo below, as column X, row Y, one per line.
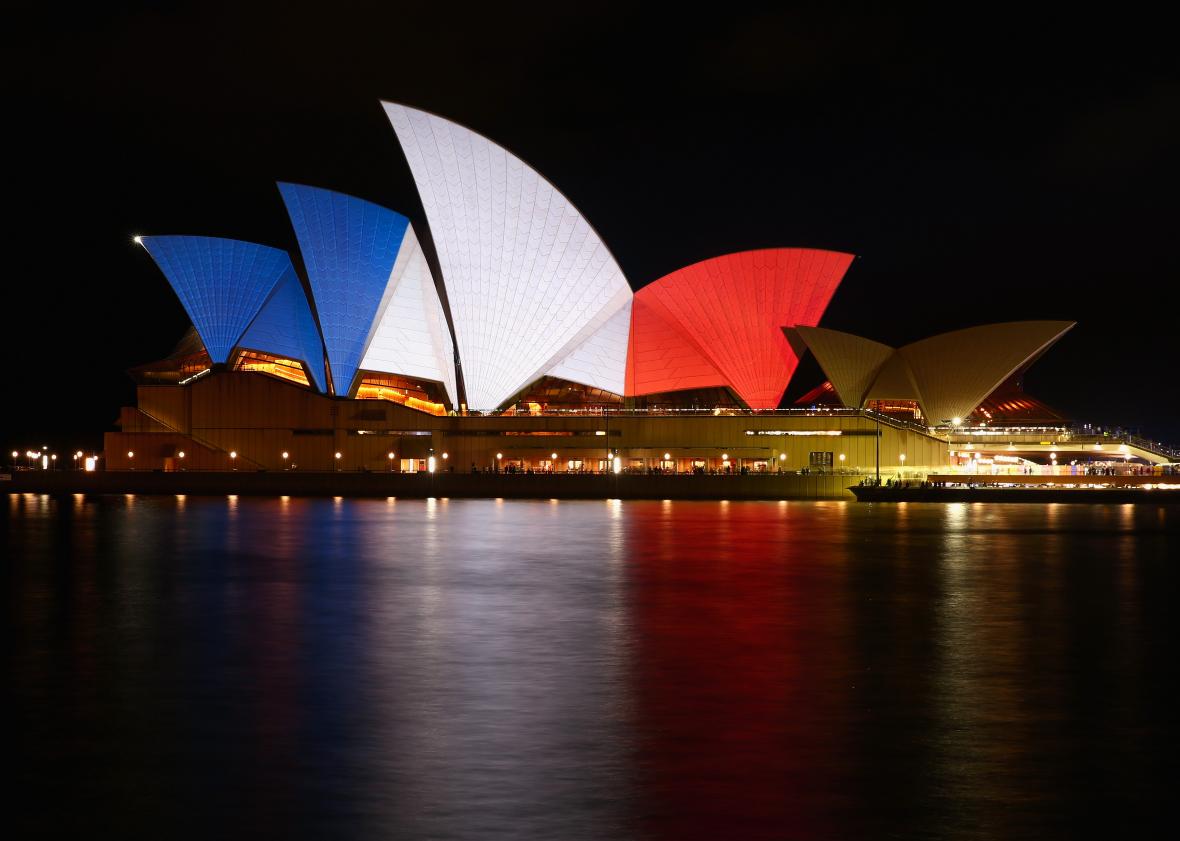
column 503, row 335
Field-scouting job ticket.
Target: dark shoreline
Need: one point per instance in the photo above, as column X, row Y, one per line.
column 454, row 485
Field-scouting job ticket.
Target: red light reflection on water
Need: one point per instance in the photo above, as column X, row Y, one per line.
column 733, row 652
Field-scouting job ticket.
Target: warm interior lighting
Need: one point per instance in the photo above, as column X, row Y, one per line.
column 404, row 393
column 257, row 362
column 617, row 465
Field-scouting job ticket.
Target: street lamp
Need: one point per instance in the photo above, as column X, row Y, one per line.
column 391, row 455
column 901, row 458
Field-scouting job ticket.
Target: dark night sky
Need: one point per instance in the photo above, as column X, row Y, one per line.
column 983, row 170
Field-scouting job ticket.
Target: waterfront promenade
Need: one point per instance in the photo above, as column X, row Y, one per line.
column 422, row 485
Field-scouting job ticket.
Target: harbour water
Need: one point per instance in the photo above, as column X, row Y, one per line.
column 221, row 667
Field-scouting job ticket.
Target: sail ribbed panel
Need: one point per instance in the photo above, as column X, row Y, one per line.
column 948, row 375
column 411, row 337
column 222, row 283
column 850, row 362
column 349, row 248
column 601, row 359
column 733, row 308
column 524, row 271
column 956, row 371
column 660, row 357
column 285, row 327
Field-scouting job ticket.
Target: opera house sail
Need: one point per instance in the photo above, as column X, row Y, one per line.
column 531, row 286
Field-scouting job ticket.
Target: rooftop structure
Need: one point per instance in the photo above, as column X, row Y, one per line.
column 527, row 293
column 948, row 376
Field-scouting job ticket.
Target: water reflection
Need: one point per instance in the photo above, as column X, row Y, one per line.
column 242, row 667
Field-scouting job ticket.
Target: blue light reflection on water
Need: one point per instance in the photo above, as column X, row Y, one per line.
column 491, row 668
